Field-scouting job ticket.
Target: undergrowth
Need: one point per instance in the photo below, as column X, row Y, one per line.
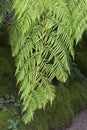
column 68, row 102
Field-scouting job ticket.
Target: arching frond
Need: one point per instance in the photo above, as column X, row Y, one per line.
column 42, row 36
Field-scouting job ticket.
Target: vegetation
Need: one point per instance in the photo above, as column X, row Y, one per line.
column 57, row 115
column 42, row 36
column 45, row 44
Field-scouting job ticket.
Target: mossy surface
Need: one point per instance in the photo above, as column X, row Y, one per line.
column 61, row 111
column 81, row 58
column 78, row 94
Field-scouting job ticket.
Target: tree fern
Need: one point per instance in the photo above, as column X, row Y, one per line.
column 42, row 38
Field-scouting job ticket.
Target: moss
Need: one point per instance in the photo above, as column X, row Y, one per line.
column 83, row 91
column 81, row 60
column 61, row 111
column 78, row 94
column 68, row 102
column 40, row 121
column 57, row 115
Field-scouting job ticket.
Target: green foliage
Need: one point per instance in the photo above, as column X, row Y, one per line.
column 7, row 115
column 55, row 116
column 42, row 35
column 68, row 102
column 42, row 38
column 13, row 124
column 61, row 111
column 10, row 117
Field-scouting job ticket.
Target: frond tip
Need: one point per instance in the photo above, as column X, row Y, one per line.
column 36, row 100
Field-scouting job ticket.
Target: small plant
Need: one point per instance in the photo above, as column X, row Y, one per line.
column 1, row 100
column 8, row 100
column 2, row 107
column 13, row 124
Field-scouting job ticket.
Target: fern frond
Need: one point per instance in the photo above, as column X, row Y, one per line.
column 42, row 38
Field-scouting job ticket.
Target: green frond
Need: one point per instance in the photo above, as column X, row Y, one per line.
column 42, row 35
column 37, row 99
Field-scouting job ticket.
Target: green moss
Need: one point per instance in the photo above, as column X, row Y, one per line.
column 78, row 99
column 57, row 115
column 68, row 102
column 81, row 59
column 61, row 111
column 83, row 91
column 40, row 121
